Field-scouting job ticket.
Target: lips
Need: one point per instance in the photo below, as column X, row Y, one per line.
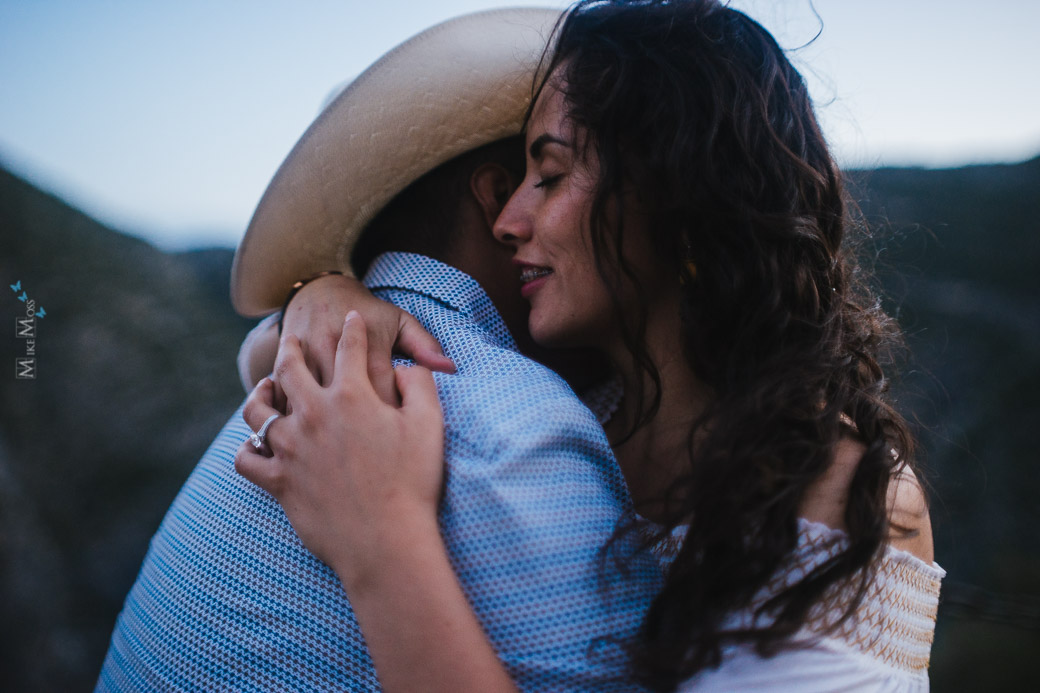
column 531, row 272
column 531, row 277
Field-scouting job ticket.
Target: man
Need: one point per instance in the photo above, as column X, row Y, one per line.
column 228, row 598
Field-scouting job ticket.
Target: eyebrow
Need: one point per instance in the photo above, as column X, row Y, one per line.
column 542, row 140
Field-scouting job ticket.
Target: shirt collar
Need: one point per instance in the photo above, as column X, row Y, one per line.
column 443, row 283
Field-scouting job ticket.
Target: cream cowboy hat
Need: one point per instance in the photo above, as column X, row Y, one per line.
column 452, row 88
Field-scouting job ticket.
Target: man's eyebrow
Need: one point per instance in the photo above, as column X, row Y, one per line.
column 542, row 140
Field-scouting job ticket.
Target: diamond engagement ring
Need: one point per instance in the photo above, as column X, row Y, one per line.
column 257, row 439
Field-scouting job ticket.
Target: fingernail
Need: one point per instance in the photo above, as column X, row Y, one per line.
column 351, row 315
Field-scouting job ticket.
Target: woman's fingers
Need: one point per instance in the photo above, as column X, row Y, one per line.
column 413, row 340
column 380, row 363
column 291, row 372
column 250, row 461
column 259, row 410
column 351, row 371
column 263, row 471
column 410, row 339
column 420, row 433
column 259, row 404
column 418, row 392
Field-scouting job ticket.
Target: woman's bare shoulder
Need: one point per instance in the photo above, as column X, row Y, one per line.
column 826, row 499
column 911, row 527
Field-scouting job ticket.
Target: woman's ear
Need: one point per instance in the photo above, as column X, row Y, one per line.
column 491, row 185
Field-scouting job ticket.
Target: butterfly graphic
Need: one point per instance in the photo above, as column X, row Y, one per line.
column 17, row 286
column 41, row 312
column 23, row 297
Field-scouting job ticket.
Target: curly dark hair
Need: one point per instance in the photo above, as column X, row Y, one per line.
column 694, row 107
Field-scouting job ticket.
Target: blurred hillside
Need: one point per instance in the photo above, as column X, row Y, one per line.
column 958, row 264
column 136, row 374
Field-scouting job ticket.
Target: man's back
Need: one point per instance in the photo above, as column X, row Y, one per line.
column 229, row 599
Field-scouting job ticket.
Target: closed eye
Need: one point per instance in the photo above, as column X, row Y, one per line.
column 548, row 181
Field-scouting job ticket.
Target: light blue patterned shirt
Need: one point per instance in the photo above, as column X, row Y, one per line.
column 229, row 599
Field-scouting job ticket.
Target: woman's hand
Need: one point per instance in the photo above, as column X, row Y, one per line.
column 315, row 318
column 360, row 480
column 356, row 476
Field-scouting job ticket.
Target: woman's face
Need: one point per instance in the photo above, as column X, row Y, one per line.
column 546, row 221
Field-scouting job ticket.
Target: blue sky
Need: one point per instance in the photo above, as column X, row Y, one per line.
column 167, row 119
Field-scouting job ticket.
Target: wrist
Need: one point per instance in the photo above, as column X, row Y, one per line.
column 408, row 543
column 298, row 286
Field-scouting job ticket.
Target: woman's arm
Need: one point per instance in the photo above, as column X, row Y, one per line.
column 258, row 351
column 373, row 517
column 418, row 625
column 315, row 316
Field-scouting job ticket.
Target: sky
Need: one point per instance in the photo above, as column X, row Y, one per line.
column 167, row 118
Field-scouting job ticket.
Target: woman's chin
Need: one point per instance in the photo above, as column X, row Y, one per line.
column 556, row 336
column 548, row 336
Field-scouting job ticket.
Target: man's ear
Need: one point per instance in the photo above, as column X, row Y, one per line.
column 491, row 185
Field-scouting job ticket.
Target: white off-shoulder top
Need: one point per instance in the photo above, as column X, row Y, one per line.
column 885, row 646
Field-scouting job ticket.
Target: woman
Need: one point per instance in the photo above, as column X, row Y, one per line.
column 681, row 213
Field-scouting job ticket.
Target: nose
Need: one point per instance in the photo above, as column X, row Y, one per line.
column 513, row 226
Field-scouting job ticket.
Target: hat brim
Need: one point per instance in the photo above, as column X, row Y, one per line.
column 454, row 87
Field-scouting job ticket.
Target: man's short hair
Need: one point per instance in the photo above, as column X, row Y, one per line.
column 423, row 218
